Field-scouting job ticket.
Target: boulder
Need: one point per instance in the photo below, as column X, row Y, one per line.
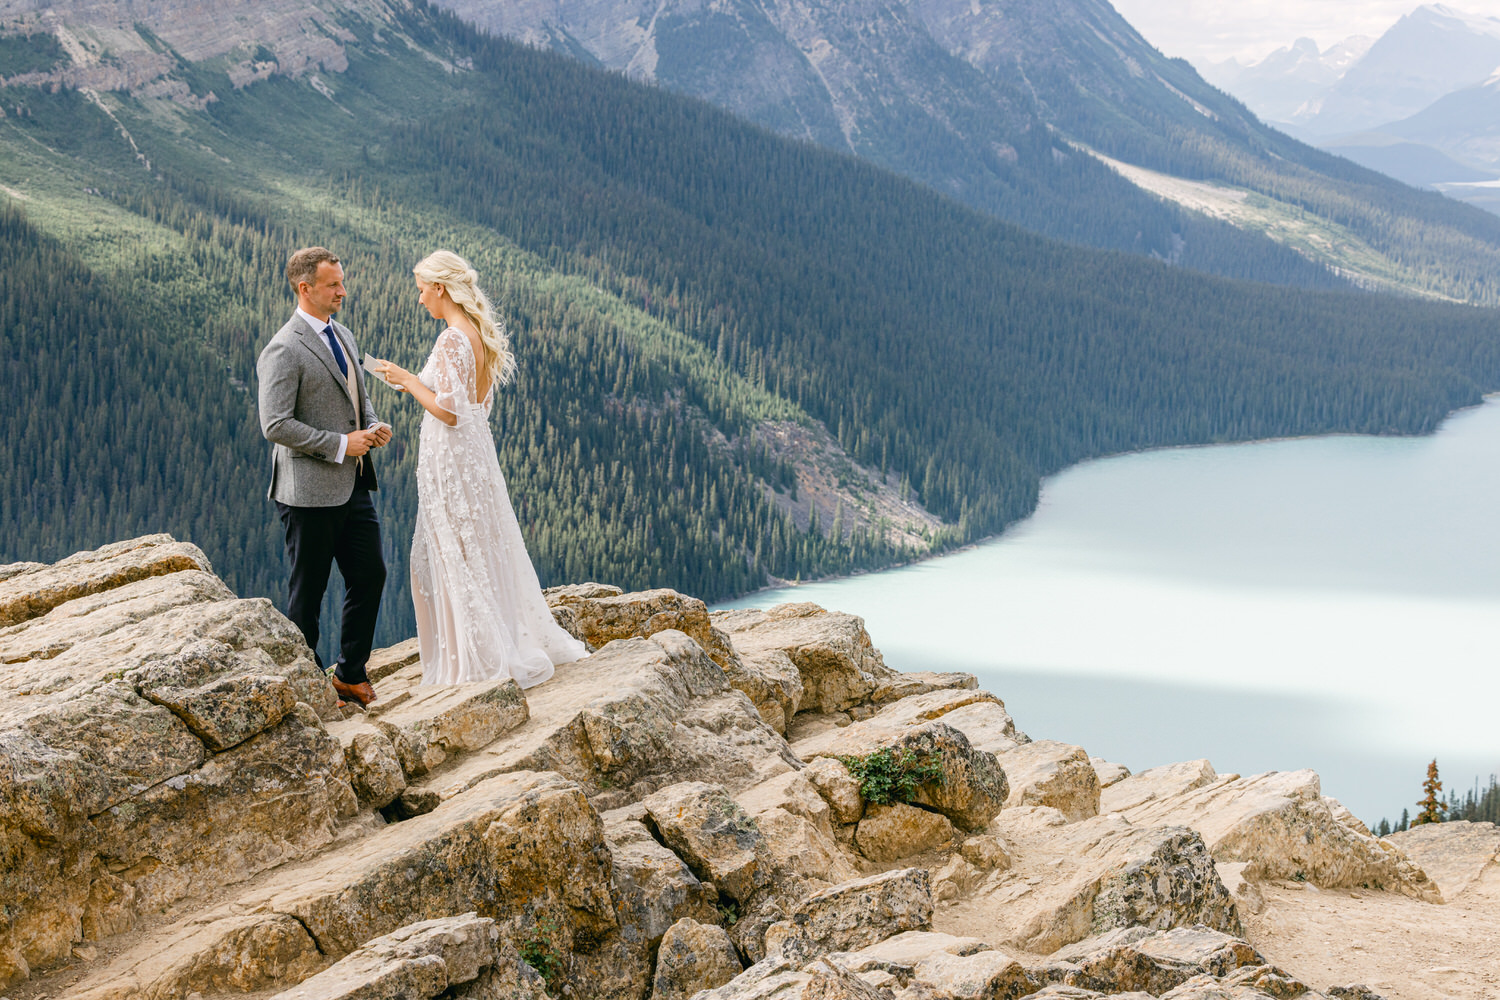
column 1075, row 880
column 778, row 978
column 838, row 664
column 1211, row 988
column 980, row 975
column 693, row 957
column 651, row 887
column 797, row 825
column 417, row 961
column 509, row 978
column 427, row 724
column 1278, row 823
column 1108, row 772
column 709, row 831
column 1048, row 773
column 838, row 788
column 374, row 769
column 1136, row 959
column 986, row 852
column 915, row 682
column 972, row 786
column 888, row 833
column 854, row 915
column 599, row 615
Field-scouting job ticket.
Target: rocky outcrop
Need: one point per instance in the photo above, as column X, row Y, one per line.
column 972, row 786
column 599, row 615
column 173, row 766
column 636, row 716
column 157, row 738
column 1278, row 823
column 1048, row 773
column 837, row 663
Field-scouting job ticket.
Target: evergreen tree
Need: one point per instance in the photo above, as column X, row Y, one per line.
column 1432, row 804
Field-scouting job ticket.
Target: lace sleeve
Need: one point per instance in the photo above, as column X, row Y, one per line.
column 452, row 372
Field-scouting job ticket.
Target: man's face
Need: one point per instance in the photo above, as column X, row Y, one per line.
column 326, row 292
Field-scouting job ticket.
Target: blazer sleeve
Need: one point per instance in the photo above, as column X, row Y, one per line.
column 280, row 377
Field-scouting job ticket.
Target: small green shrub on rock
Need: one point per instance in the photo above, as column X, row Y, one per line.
column 888, row 775
column 541, row 953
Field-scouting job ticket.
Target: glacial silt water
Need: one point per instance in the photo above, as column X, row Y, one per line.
column 1331, row 603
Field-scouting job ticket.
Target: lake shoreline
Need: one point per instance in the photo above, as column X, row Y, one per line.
column 780, row 584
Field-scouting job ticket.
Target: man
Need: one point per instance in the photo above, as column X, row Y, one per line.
column 314, row 410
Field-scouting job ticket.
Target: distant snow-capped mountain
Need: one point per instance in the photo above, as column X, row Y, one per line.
column 1288, row 85
column 1430, row 52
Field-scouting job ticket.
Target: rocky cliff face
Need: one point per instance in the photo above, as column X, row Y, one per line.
column 145, row 46
column 693, row 810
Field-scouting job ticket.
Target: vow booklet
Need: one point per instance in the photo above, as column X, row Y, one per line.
column 370, row 359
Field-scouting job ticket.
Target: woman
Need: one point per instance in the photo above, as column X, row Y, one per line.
column 480, row 610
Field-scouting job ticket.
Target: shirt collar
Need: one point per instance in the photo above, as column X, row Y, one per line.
column 318, row 325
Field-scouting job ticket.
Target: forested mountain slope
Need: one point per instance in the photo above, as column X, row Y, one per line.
column 683, row 288
column 993, row 102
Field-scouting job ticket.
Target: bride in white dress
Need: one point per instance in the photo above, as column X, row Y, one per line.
column 480, row 610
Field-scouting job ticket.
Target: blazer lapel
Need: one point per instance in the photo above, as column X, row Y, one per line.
column 313, row 341
column 355, row 365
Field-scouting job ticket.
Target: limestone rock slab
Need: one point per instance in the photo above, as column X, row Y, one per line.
column 276, row 797
column 516, row 848
column 838, row 664
column 1071, row 881
column 1049, row 773
column 32, row 594
column 416, row 962
column 93, row 615
column 1278, row 823
column 1136, row 959
column 854, row 915
column 634, row 717
column 432, row 722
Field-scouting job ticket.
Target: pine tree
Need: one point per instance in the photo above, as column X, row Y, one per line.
column 1432, row 804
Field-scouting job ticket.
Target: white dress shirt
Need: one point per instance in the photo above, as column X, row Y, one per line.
column 319, row 325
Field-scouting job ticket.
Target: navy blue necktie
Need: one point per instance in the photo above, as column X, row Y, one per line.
column 338, row 354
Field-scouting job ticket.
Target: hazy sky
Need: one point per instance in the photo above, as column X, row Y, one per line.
column 1214, row 30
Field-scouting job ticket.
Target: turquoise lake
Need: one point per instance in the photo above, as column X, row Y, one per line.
column 1331, row 603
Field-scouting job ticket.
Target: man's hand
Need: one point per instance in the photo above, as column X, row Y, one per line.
column 360, row 442
column 382, row 434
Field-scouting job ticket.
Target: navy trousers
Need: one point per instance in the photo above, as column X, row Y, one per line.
column 316, row 538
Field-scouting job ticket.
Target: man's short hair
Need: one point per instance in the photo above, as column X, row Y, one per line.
column 304, row 265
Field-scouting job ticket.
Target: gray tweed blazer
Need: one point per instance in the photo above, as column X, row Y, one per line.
column 304, row 407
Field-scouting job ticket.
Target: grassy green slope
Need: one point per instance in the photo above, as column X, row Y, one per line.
column 673, row 279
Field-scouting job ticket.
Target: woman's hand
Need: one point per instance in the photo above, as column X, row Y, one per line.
column 398, row 377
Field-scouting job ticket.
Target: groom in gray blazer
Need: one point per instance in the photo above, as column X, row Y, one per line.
column 314, row 411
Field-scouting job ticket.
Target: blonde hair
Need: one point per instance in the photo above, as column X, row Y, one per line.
column 461, row 282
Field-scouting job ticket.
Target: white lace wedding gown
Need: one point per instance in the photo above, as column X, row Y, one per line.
column 480, row 610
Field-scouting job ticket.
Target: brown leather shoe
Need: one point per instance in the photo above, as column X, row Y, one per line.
column 362, row 693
